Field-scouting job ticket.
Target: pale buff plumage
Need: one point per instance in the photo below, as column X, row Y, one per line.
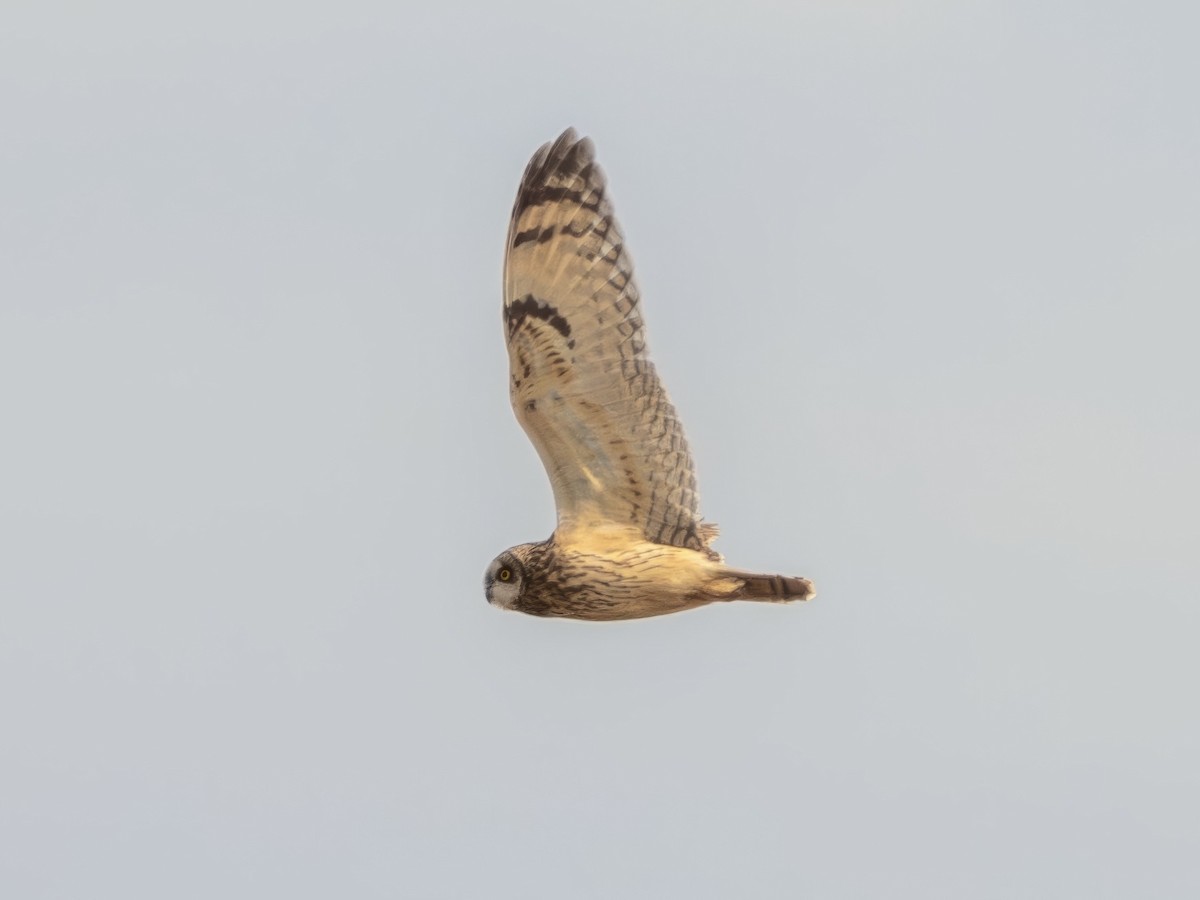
column 629, row 542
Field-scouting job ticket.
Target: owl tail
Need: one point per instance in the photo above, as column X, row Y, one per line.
column 771, row 588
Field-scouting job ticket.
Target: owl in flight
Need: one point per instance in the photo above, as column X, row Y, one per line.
column 629, row 542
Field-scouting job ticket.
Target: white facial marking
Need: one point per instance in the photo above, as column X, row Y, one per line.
column 503, row 593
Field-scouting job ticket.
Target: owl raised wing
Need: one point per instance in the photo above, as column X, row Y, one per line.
column 581, row 382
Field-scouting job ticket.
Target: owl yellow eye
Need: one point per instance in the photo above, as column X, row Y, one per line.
column 504, row 574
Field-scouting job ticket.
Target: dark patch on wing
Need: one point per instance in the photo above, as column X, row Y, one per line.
column 524, row 237
column 541, row 235
column 598, row 225
column 552, row 193
column 529, row 307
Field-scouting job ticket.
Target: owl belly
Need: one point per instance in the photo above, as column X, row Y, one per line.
column 631, row 581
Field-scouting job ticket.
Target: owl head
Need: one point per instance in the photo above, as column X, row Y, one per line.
column 505, row 580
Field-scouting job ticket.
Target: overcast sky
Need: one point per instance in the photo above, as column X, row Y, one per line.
column 923, row 280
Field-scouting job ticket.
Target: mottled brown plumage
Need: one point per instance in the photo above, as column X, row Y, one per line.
column 630, row 541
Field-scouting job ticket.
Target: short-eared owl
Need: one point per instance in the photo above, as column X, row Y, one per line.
column 630, row 541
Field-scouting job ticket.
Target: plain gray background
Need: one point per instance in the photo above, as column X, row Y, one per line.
column 922, row 279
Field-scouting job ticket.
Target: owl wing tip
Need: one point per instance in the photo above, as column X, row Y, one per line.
column 558, row 160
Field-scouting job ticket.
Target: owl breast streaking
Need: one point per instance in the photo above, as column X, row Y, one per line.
column 629, row 542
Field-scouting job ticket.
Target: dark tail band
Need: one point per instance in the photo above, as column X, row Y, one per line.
column 773, row 588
